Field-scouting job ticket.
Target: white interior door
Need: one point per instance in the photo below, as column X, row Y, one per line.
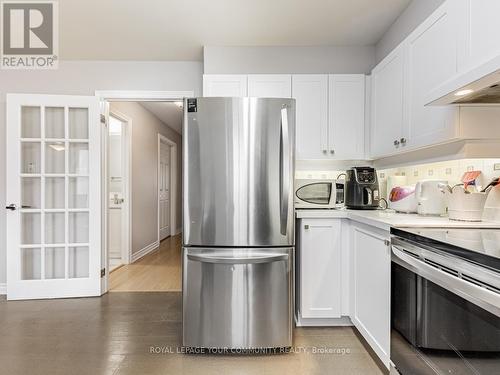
column 164, row 190
column 53, row 196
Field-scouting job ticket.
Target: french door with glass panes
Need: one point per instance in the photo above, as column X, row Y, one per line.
column 53, row 196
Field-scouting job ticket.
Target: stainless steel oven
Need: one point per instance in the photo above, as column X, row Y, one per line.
column 445, row 301
column 311, row 193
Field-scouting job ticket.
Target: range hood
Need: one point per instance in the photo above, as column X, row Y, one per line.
column 480, row 85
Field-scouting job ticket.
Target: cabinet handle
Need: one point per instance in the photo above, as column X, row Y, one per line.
column 396, row 143
column 387, row 242
column 403, row 141
column 332, row 152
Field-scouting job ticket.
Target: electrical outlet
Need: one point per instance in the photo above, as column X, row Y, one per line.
column 496, row 167
column 382, row 175
column 403, row 173
column 470, row 168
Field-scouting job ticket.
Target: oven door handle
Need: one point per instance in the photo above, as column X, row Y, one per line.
column 475, row 294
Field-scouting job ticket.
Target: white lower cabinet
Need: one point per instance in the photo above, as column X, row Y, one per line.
column 319, row 264
column 371, row 287
column 344, row 277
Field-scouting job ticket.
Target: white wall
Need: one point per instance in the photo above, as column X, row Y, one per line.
column 287, row 59
column 83, row 78
column 416, row 12
column 145, row 129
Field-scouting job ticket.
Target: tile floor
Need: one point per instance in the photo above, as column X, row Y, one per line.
column 115, row 334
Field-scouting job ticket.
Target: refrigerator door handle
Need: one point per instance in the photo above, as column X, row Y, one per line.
column 284, row 171
column 217, row 259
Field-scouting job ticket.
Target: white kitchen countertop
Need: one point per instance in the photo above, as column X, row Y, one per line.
column 386, row 219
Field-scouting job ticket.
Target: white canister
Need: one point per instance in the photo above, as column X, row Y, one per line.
column 430, row 199
column 466, row 207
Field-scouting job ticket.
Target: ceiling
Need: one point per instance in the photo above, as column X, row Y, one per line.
column 168, row 112
column 177, row 30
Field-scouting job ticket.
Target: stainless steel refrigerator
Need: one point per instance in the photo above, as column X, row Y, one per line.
column 238, row 222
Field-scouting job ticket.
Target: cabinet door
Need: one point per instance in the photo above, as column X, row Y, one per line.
column 371, row 294
column 346, row 131
column 224, row 85
column 311, row 95
column 270, row 85
column 481, row 32
column 432, row 60
column 320, row 281
column 387, row 125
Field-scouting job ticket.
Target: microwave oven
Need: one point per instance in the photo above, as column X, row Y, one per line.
column 311, row 193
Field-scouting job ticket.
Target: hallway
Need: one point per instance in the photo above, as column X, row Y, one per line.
column 159, row 271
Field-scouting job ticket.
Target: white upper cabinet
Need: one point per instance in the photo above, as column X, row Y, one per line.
column 330, row 116
column 346, row 130
column 270, row 85
column 480, row 32
column 311, row 95
column 225, row 85
column 388, row 96
column 432, row 60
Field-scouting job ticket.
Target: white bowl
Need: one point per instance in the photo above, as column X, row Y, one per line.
column 466, row 207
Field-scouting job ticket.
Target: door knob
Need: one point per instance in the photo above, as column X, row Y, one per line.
column 11, row 207
column 332, row 152
column 324, row 151
column 403, row 141
column 396, row 143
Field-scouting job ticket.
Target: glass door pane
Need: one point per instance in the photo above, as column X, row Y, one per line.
column 54, row 122
column 31, row 264
column 79, row 158
column 54, row 192
column 30, row 157
column 78, row 123
column 30, row 192
column 30, row 122
column 54, row 157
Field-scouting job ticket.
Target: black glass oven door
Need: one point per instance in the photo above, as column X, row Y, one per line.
column 434, row 331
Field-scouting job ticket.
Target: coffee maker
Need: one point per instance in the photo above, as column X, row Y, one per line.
column 361, row 188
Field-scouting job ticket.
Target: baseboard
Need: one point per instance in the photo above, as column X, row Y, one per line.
column 323, row 322
column 3, row 288
column 144, row 251
column 178, row 230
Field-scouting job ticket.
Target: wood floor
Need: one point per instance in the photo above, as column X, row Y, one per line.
column 159, row 271
column 140, row 333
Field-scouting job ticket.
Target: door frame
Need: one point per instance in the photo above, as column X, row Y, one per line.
column 173, row 183
column 106, row 96
column 126, row 219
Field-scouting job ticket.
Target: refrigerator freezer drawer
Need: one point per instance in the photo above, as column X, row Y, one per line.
column 237, row 298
